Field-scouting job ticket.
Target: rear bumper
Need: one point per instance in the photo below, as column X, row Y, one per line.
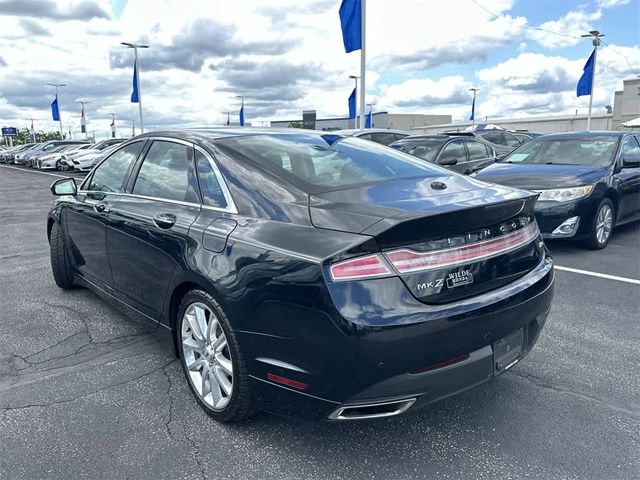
column 375, row 367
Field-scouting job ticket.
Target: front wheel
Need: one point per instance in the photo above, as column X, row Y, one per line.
column 211, row 358
column 602, row 225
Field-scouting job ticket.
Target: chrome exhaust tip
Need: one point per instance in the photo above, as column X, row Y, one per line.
column 372, row 410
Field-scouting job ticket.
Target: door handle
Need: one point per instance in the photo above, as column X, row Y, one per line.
column 165, row 220
column 101, row 207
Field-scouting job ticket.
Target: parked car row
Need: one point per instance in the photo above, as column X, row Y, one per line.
column 587, row 182
column 62, row 155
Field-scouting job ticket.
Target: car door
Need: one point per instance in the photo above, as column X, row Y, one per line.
column 454, row 156
column 149, row 225
column 86, row 218
column 480, row 155
column 628, row 181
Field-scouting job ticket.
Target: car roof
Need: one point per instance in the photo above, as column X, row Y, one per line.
column 357, row 131
column 217, row 133
column 603, row 133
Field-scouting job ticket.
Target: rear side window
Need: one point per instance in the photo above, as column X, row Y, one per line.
column 383, row 138
column 315, row 165
column 210, row 188
column 453, row 151
column 476, row 150
column 111, row 174
column 167, row 172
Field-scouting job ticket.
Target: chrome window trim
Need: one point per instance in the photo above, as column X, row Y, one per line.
column 231, row 206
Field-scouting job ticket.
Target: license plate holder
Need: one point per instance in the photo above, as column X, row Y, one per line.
column 508, row 350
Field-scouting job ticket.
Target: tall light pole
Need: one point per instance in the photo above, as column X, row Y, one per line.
column 135, row 47
column 228, row 117
column 57, row 85
column 596, row 43
column 356, row 78
column 83, row 118
column 473, row 108
column 113, row 125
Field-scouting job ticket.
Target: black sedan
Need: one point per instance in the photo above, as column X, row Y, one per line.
column 588, row 182
column 462, row 153
column 308, row 274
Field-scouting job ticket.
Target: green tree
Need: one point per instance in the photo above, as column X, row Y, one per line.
column 41, row 136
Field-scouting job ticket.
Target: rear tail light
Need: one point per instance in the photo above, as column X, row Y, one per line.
column 360, row 268
column 407, row 261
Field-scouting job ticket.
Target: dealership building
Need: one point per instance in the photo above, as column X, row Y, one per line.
column 397, row 121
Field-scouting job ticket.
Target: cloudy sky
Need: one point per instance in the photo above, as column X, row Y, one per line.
column 287, row 55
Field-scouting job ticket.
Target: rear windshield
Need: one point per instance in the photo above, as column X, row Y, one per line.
column 315, row 165
column 567, row 151
column 424, row 149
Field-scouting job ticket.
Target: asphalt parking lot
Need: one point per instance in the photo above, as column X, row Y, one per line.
column 87, row 393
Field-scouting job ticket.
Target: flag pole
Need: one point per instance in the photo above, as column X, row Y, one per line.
column 593, row 81
column 363, row 58
column 135, row 53
column 596, row 43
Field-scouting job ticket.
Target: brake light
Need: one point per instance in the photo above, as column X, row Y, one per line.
column 406, row 261
column 360, row 268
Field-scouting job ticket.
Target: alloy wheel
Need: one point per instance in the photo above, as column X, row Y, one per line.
column 604, row 224
column 207, row 356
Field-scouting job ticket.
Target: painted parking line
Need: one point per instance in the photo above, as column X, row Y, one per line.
column 599, row 275
column 34, row 171
column 39, row 171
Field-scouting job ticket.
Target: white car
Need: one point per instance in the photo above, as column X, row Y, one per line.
column 86, row 161
column 52, row 160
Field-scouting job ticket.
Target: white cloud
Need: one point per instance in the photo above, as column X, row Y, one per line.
column 611, row 3
column 285, row 56
column 566, row 30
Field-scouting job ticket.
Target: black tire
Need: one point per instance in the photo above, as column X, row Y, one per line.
column 241, row 403
column 594, row 241
column 60, row 262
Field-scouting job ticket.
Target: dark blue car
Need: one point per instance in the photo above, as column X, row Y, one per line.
column 588, row 182
column 308, row 274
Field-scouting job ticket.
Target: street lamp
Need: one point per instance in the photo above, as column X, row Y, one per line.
column 135, row 47
column 473, row 108
column 57, row 85
column 355, row 78
column 83, row 119
column 596, row 43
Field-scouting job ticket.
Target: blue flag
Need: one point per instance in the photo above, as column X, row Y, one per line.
column 367, row 122
column 242, row 115
column 584, row 84
column 54, row 109
column 134, row 94
column 352, row 104
column 351, row 23
column 473, row 109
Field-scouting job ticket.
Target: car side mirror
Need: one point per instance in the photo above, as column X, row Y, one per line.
column 448, row 161
column 64, row 186
column 631, row 161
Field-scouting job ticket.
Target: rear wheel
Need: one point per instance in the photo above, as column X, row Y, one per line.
column 602, row 225
column 60, row 262
column 211, row 358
